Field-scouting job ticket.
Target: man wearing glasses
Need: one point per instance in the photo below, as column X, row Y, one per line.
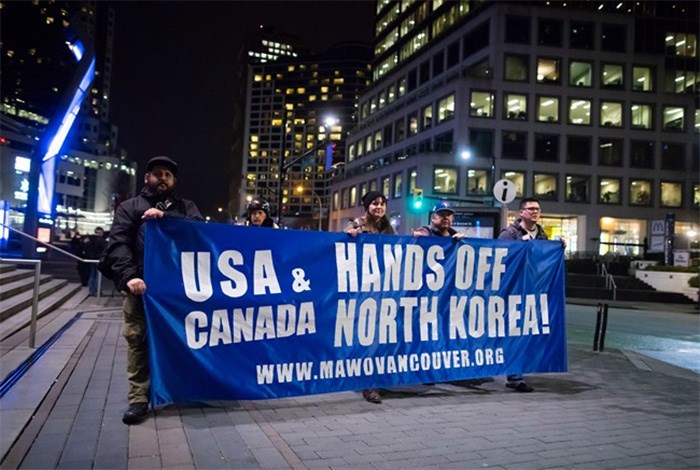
column 524, row 228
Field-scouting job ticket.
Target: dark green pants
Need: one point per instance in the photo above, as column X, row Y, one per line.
column 137, row 351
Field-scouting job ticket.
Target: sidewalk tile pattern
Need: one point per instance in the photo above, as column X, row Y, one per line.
column 604, row 413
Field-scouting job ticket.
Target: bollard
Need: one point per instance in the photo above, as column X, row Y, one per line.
column 603, row 329
column 596, row 331
column 601, row 324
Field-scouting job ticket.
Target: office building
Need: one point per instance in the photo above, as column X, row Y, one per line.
column 287, row 104
column 91, row 174
column 592, row 107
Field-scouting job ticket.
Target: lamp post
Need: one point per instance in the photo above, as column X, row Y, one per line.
column 329, row 121
column 300, row 189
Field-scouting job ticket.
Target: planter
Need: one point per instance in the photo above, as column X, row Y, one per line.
column 669, row 282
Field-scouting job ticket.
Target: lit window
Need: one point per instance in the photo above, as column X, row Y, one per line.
column 611, row 114
column 641, row 116
column 23, row 164
column 445, row 180
column 682, row 81
column 515, row 106
column 386, row 182
column 671, row 194
column 545, row 186
column 609, row 191
column 477, row 182
column 642, row 79
column 547, row 70
column 427, row 117
column 673, row 118
column 518, row 179
column 682, row 44
column 398, row 186
column 481, row 104
column 579, row 112
column 413, row 123
column 640, row 193
column 446, row 108
column 548, row 109
column 612, row 76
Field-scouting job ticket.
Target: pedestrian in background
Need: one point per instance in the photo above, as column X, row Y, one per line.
column 258, row 214
column 373, row 221
column 78, row 245
column 123, row 264
column 525, row 228
column 93, row 250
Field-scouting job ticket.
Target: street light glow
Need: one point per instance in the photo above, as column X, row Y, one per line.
column 466, row 155
column 330, row 121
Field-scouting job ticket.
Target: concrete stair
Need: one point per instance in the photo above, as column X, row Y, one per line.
column 583, row 283
column 16, row 294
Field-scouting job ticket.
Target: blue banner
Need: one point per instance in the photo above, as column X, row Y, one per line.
column 250, row 313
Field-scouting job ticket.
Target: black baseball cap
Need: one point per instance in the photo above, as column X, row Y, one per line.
column 162, row 161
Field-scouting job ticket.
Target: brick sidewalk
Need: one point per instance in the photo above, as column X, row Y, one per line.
column 605, row 413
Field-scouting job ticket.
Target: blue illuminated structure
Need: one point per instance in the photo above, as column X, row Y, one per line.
column 42, row 177
column 5, row 220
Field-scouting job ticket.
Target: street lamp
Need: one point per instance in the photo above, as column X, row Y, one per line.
column 329, row 121
column 300, row 189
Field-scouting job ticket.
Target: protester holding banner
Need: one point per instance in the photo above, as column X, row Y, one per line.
column 525, row 228
column 258, row 214
column 440, row 223
column 374, row 221
column 123, row 264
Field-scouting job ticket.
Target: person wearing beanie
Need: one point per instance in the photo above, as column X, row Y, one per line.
column 122, row 262
column 373, row 221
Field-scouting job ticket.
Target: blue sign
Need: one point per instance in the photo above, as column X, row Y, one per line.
column 249, row 313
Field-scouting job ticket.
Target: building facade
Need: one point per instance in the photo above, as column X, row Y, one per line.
column 90, row 174
column 288, row 102
column 592, row 107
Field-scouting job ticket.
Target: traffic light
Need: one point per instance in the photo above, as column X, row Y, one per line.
column 417, row 198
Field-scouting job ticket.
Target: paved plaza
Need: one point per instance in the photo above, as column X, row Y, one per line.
column 613, row 409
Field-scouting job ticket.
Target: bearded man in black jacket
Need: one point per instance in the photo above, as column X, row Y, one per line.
column 123, row 264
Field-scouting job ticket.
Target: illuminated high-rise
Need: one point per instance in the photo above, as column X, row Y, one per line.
column 590, row 106
column 37, row 70
column 287, row 103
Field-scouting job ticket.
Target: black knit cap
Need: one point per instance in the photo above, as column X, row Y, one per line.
column 164, row 162
column 371, row 196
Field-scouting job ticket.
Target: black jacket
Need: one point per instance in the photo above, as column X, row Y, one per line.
column 516, row 232
column 123, row 258
column 429, row 230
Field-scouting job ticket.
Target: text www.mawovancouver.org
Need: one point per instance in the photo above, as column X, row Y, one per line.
column 377, row 365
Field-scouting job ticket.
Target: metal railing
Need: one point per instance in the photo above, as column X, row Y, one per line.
column 609, row 280
column 35, row 295
column 37, row 274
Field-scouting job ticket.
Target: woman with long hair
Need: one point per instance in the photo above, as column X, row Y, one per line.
column 373, row 221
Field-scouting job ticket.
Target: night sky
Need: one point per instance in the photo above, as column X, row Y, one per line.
column 174, row 69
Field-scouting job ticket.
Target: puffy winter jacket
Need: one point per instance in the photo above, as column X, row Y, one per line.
column 123, row 258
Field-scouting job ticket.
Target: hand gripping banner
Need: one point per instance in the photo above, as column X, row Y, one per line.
column 250, row 313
